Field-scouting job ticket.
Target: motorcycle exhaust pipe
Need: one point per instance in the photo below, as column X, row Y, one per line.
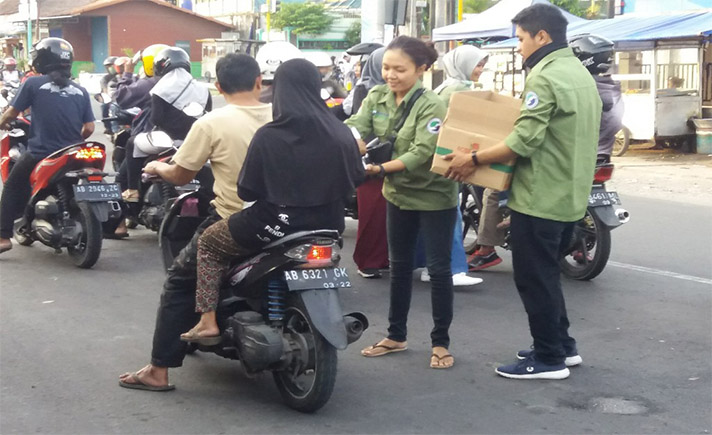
column 622, row 215
column 356, row 323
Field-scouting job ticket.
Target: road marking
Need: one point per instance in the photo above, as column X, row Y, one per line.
column 661, row 272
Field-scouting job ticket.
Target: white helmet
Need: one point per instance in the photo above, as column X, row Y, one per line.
column 319, row 58
column 273, row 54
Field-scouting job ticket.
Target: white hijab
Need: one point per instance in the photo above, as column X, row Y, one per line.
column 459, row 64
column 179, row 89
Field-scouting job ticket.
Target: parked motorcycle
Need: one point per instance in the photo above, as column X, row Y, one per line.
column 279, row 310
column 69, row 201
column 590, row 246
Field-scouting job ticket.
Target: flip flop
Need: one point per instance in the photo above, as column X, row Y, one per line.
column 192, row 337
column 114, row 236
column 386, row 350
column 138, row 384
column 440, row 358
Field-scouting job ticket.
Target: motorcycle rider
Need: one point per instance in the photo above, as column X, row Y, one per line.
column 270, row 57
column 278, row 176
column 175, row 91
column 596, row 54
column 325, row 65
column 213, row 137
column 10, row 74
column 61, row 116
column 108, row 85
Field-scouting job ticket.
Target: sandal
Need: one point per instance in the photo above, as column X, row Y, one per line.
column 138, row 384
column 204, row 340
column 436, row 364
column 379, row 349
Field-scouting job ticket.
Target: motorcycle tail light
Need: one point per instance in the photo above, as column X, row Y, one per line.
column 603, row 174
column 314, row 255
column 95, row 178
column 89, row 154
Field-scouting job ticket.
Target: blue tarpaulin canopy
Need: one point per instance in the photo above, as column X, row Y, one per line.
column 640, row 32
column 495, row 22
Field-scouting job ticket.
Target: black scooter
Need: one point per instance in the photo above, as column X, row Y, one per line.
column 279, row 310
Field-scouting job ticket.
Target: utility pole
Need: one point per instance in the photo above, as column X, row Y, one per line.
column 29, row 28
column 611, row 8
column 268, row 18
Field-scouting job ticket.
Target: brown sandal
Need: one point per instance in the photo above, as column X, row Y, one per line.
column 386, row 349
column 437, row 365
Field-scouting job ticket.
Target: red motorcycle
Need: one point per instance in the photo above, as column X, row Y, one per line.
column 69, row 200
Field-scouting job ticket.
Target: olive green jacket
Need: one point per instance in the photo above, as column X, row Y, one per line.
column 416, row 188
column 556, row 138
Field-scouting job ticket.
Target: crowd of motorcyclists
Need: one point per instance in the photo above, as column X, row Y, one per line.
column 267, row 156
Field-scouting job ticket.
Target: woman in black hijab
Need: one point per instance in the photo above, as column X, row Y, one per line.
column 298, row 171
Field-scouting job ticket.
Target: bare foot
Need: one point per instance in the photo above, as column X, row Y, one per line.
column 150, row 375
column 441, row 358
column 5, row 245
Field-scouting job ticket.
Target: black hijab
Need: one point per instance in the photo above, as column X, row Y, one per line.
column 305, row 157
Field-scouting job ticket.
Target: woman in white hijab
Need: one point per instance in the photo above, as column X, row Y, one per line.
column 463, row 67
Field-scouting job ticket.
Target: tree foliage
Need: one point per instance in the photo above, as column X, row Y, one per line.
column 475, row 6
column 572, row 6
column 353, row 33
column 309, row 18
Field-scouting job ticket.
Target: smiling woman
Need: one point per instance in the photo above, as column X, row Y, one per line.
column 418, row 200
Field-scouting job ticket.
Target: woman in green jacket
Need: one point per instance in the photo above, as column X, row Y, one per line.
column 418, row 200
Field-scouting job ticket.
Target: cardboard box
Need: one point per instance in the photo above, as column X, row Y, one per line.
column 478, row 120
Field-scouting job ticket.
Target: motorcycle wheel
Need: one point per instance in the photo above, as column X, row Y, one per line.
column 86, row 252
column 471, row 211
column 620, row 146
column 591, row 249
column 306, row 385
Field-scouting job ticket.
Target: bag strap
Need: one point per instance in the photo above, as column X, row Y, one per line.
column 181, row 92
column 407, row 110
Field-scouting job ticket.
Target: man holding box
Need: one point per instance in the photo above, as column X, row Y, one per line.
column 554, row 141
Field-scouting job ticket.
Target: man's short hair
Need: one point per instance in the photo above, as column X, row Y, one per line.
column 237, row 73
column 541, row 16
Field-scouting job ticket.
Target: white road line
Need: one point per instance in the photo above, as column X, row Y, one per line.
column 661, row 272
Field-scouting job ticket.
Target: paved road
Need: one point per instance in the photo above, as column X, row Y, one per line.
column 644, row 329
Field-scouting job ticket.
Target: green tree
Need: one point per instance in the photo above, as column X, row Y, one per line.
column 309, row 18
column 353, row 33
column 572, row 6
column 475, row 6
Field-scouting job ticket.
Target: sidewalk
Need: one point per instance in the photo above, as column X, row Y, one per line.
column 664, row 174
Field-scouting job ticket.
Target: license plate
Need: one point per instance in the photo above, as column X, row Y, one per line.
column 97, row 192
column 306, row 279
column 603, row 198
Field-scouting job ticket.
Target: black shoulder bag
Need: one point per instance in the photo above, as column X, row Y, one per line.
column 378, row 151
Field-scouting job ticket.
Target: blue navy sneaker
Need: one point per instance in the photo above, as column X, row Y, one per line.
column 530, row 368
column 572, row 357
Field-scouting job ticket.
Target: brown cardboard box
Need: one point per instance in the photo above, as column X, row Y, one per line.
column 478, row 120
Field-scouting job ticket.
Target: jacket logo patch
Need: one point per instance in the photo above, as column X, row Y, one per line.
column 531, row 100
column 433, row 126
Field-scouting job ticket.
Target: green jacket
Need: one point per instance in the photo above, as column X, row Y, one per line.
column 416, row 188
column 556, row 138
column 446, row 93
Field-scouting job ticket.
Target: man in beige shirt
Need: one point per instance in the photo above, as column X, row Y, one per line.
column 222, row 137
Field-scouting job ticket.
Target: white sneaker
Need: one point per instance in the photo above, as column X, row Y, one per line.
column 425, row 276
column 461, row 279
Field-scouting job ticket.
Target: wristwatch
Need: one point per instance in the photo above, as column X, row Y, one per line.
column 382, row 172
column 474, row 158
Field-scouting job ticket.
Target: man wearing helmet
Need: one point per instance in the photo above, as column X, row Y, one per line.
column 269, row 58
column 10, row 73
column 596, row 54
column 108, row 85
column 172, row 99
column 61, row 116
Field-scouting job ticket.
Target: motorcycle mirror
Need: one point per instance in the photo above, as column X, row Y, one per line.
column 99, row 98
column 325, row 94
column 194, row 110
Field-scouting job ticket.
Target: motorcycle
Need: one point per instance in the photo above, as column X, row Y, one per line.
column 279, row 310
column 590, row 246
column 8, row 92
column 69, row 201
column 12, row 144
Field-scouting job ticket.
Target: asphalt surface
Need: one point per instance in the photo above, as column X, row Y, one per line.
column 644, row 328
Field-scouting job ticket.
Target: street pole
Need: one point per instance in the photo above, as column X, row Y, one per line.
column 29, row 28
column 268, row 18
column 459, row 10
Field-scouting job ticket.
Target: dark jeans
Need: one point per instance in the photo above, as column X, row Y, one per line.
column 134, row 166
column 436, row 228
column 105, row 114
column 176, row 312
column 16, row 193
column 537, row 246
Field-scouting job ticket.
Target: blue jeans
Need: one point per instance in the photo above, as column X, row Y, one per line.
column 436, row 228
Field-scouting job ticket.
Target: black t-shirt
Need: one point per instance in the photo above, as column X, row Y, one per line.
column 264, row 223
column 58, row 114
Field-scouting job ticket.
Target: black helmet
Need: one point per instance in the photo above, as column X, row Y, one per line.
column 169, row 59
column 363, row 48
column 594, row 52
column 51, row 54
column 109, row 64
